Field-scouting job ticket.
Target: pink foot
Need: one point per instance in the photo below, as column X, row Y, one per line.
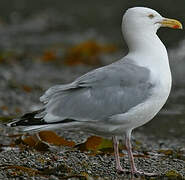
column 136, row 172
column 119, row 169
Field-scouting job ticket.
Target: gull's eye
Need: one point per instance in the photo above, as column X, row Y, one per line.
column 151, row 16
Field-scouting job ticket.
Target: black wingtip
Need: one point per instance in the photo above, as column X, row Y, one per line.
column 11, row 124
column 27, row 120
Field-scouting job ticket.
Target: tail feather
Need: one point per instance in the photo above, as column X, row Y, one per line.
column 66, row 126
column 39, row 127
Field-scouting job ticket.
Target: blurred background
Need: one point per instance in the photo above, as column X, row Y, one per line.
column 46, row 22
column 46, row 42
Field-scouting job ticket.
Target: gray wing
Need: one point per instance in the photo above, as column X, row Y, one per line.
column 99, row 94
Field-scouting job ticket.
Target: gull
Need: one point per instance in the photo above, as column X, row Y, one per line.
column 113, row 100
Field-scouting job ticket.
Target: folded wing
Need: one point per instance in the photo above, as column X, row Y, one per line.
column 97, row 95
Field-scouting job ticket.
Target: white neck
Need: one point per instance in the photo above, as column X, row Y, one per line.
column 147, row 50
column 142, row 41
column 148, row 45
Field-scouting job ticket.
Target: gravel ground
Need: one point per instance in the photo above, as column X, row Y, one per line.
column 61, row 163
column 20, row 88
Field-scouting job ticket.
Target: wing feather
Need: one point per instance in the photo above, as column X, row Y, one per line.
column 99, row 94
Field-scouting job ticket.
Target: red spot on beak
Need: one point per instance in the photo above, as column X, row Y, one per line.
column 176, row 27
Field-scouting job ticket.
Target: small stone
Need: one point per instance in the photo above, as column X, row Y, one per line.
column 52, row 177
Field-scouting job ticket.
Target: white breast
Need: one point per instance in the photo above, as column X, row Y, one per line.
column 156, row 60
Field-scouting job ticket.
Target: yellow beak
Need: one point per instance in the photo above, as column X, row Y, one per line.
column 171, row 23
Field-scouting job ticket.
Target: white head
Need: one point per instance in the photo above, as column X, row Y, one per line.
column 140, row 18
column 141, row 21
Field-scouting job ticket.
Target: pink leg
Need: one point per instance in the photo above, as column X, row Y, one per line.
column 131, row 157
column 116, row 154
